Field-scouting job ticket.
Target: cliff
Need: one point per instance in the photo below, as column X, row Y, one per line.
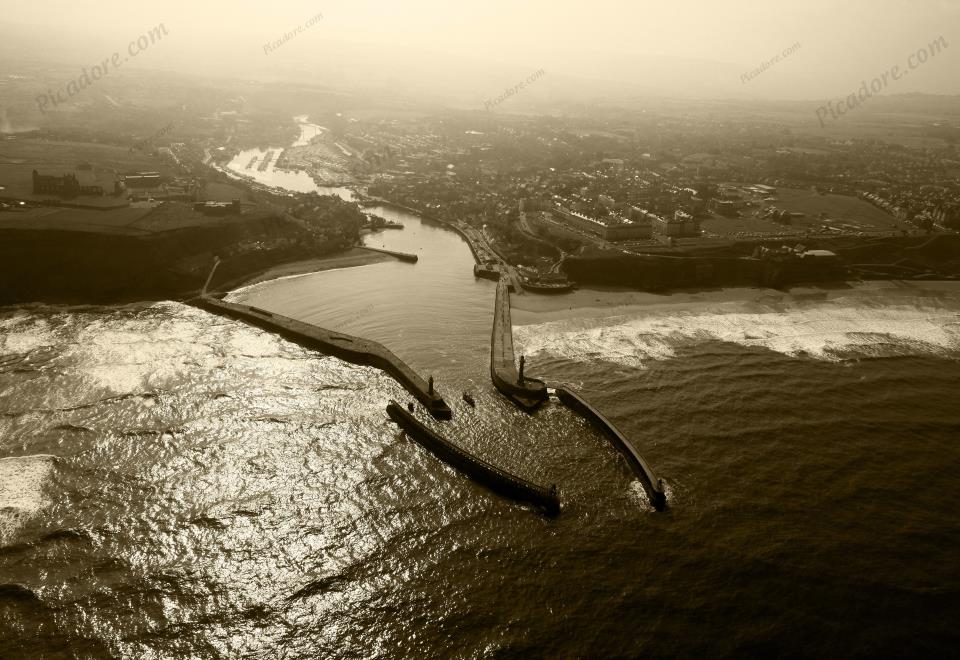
column 80, row 267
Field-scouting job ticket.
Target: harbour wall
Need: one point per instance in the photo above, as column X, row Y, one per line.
column 402, row 256
column 651, row 484
column 476, row 468
column 352, row 349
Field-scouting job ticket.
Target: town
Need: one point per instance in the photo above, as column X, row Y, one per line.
column 552, row 201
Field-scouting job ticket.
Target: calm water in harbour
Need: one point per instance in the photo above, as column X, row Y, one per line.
column 174, row 484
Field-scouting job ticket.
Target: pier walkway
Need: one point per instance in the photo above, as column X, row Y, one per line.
column 528, row 393
column 346, row 347
column 651, row 484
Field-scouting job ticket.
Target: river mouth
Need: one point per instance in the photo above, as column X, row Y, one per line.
column 222, row 492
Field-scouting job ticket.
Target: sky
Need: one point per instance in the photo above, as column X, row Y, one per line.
column 468, row 51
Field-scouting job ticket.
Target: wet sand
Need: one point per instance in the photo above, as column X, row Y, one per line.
column 596, row 303
column 354, row 257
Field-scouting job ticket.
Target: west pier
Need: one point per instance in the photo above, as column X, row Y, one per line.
column 402, row 256
column 346, row 347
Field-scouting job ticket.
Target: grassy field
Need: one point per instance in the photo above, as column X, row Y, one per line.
column 18, row 159
column 748, row 224
column 56, row 156
column 216, row 191
column 117, row 221
column 843, row 212
column 840, row 210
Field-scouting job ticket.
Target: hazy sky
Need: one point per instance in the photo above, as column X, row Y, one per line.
column 471, row 50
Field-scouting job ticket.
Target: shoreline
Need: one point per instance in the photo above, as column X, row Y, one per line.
column 357, row 256
column 600, row 303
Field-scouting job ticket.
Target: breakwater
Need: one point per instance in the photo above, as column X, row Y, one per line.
column 346, row 347
column 402, row 256
column 528, row 393
column 651, row 484
column 476, row 468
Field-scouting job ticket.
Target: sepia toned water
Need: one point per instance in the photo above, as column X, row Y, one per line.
column 175, row 484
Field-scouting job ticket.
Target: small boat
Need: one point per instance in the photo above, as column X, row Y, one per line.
column 469, row 399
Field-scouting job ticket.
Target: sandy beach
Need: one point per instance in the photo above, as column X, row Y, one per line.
column 597, row 303
column 355, row 257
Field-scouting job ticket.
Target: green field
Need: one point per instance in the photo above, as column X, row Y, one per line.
column 116, row 221
column 843, row 213
column 721, row 226
column 855, row 213
column 18, row 159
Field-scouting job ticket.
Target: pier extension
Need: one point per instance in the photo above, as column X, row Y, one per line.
column 528, row 393
column 651, row 484
column 352, row 349
column 477, row 469
column 402, row 256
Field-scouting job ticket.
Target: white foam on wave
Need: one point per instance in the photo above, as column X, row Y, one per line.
column 128, row 355
column 22, row 482
column 22, row 334
column 822, row 331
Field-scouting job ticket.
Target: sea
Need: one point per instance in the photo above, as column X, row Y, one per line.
column 179, row 485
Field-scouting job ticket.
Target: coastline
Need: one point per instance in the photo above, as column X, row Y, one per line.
column 358, row 256
column 599, row 303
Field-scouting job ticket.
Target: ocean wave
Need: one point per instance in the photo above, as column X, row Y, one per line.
column 22, row 496
column 22, row 334
column 829, row 331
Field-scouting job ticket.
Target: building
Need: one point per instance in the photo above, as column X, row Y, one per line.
column 948, row 215
column 83, row 182
column 727, row 207
column 690, row 227
column 142, row 180
column 579, row 220
column 532, row 204
column 669, row 227
column 618, row 228
column 218, row 208
column 644, row 220
column 613, row 227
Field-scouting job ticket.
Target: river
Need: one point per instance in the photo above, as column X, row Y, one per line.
column 247, row 165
